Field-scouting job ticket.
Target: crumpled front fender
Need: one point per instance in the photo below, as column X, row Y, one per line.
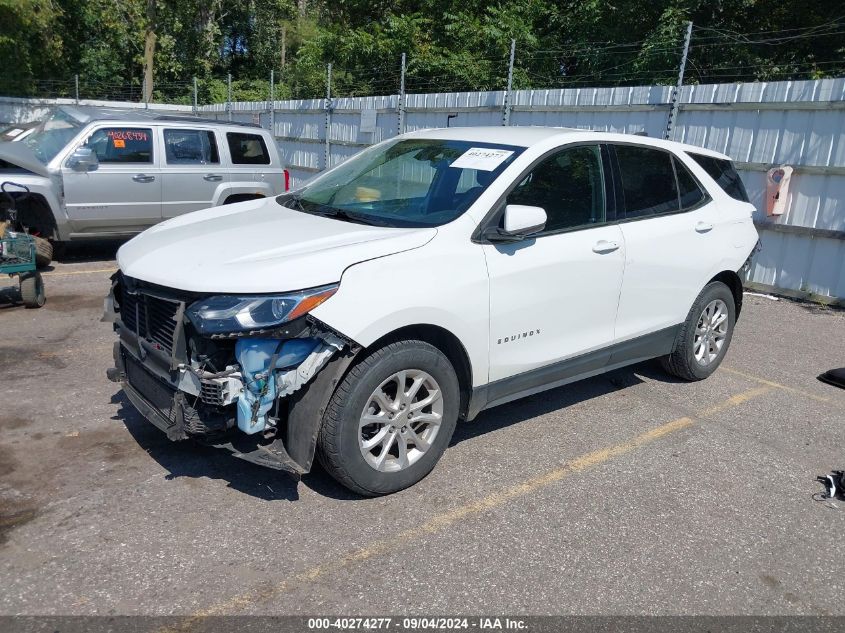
column 307, row 406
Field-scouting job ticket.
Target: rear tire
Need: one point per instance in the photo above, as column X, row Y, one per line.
column 376, row 441
column 43, row 252
column 705, row 335
column 32, row 290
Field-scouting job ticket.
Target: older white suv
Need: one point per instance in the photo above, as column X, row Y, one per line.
column 429, row 277
column 113, row 173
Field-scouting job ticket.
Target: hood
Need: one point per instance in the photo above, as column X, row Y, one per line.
column 19, row 155
column 257, row 246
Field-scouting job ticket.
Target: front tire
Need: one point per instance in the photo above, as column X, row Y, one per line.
column 705, row 336
column 390, row 419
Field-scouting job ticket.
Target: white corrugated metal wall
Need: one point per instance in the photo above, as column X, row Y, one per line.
column 797, row 123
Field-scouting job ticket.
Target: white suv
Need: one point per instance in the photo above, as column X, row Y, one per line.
column 430, row 277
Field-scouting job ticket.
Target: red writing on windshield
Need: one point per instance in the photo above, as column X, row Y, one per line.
column 128, row 135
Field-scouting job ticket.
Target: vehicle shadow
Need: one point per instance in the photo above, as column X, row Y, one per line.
column 88, row 251
column 10, row 296
column 194, row 460
column 553, row 400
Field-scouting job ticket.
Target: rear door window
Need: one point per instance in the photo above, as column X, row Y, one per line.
column 648, row 181
column 247, row 149
column 689, row 191
column 724, row 173
column 122, row 145
column 190, row 147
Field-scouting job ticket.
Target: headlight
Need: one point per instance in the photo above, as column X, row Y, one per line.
column 228, row 313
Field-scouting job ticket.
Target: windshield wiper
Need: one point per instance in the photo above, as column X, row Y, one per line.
column 295, row 203
column 347, row 216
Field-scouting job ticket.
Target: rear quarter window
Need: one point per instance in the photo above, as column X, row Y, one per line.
column 247, row 149
column 724, row 173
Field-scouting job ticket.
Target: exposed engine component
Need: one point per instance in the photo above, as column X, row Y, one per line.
column 220, row 392
column 301, row 358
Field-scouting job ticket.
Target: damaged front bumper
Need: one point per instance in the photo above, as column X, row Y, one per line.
column 224, row 392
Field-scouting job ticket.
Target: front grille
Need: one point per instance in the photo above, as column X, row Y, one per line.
column 155, row 391
column 151, row 318
column 195, row 419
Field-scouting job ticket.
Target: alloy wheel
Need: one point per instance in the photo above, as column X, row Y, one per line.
column 710, row 332
column 400, row 420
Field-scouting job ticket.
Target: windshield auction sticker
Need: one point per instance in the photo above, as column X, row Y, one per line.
column 481, row 158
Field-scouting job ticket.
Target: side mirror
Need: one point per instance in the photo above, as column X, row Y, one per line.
column 519, row 222
column 83, row 159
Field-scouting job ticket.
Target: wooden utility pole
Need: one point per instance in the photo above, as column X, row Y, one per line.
column 284, row 45
column 149, row 50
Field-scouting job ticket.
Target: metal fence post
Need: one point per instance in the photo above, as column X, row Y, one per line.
column 676, row 91
column 328, row 150
column 195, row 96
column 76, row 87
column 144, row 92
column 506, row 112
column 401, row 129
column 272, row 103
column 229, row 96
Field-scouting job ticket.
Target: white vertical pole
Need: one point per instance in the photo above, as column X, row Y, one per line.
column 195, row 96
column 506, row 113
column 272, row 103
column 229, row 95
column 676, row 91
column 76, row 87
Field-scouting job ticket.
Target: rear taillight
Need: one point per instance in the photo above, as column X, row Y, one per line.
column 287, row 180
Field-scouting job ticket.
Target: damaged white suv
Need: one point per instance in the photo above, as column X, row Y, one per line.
column 428, row 278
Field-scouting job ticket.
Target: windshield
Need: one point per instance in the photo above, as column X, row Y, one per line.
column 405, row 183
column 52, row 135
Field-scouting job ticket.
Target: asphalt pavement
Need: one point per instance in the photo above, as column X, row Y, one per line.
column 629, row 493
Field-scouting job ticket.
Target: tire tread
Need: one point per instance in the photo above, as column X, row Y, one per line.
column 328, row 449
column 679, row 363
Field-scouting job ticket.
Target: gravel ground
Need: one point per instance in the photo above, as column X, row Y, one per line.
column 629, row 493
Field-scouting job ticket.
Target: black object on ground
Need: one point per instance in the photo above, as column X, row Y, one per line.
column 835, row 377
column 834, row 484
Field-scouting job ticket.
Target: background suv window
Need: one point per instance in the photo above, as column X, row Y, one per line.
column 569, row 185
column 688, row 190
column 648, row 181
column 247, row 149
column 190, row 147
column 122, row 145
column 724, row 173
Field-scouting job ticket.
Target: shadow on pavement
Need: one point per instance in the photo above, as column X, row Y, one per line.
column 191, row 459
column 87, row 251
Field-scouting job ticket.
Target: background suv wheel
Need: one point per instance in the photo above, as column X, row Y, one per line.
column 390, row 419
column 705, row 336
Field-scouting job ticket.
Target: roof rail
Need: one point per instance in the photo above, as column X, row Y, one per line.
column 196, row 119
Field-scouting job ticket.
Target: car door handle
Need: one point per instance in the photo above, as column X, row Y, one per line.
column 603, row 246
column 143, row 178
column 703, row 227
column 212, row 177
